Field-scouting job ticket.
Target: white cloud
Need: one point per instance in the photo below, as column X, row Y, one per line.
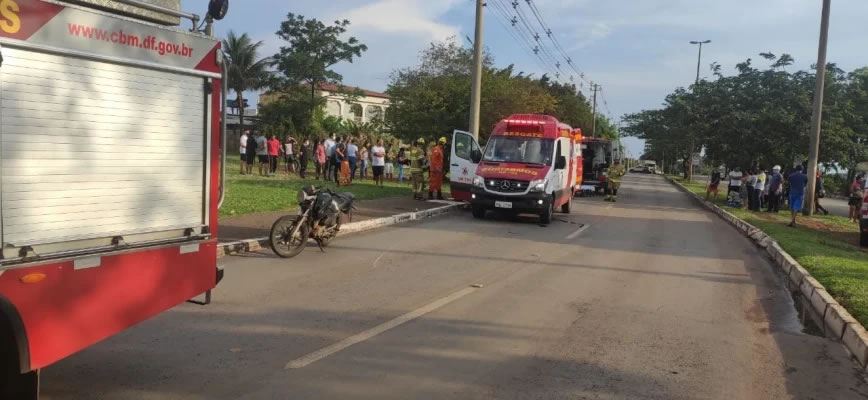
column 415, row 17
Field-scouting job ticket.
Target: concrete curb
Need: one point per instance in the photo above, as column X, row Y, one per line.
column 837, row 322
column 255, row 244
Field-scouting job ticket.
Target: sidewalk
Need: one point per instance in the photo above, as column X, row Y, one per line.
column 250, row 226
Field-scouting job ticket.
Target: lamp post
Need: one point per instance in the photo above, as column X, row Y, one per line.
column 817, row 116
column 693, row 140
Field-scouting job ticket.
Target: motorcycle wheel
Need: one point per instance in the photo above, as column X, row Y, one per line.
column 325, row 241
column 281, row 243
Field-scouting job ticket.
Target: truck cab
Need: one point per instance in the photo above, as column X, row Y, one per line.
column 527, row 166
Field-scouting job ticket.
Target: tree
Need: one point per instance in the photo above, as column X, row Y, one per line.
column 432, row 99
column 312, row 49
column 246, row 70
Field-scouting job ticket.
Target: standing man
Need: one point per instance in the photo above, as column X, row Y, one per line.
column 713, row 185
column 390, row 163
column 734, row 181
column 616, row 172
column 378, row 162
column 338, row 158
column 273, row 154
column 289, row 154
column 759, row 188
column 304, row 155
column 776, row 183
column 352, row 157
column 251, row 152
column 321, row 167
column 329, row 144
column 417, row 159
column 798, row 180
column 435, row 174
column 401, row 161
column 262, row 153
column 243, row 150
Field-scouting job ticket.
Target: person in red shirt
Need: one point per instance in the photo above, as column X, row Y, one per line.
column 273, row 152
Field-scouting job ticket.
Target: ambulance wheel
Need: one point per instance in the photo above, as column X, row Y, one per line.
column 545, row 217
column 478, row 212
column 567, row 207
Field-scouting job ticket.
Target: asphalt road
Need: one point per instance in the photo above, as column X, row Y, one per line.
column 649, row 298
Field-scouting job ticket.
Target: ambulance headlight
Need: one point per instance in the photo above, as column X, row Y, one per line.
column 538, row 186
column 478, row 181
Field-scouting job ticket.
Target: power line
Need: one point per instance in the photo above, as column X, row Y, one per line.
column 535, row 10
column 505, row 17
column 528, row 37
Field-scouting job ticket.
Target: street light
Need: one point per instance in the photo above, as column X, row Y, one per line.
column 699, row 61
column 693, row 142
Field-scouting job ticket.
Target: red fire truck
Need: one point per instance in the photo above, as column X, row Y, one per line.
column 110, row 174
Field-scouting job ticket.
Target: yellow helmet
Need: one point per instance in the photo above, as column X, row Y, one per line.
column 420, row 141
column 442, row 140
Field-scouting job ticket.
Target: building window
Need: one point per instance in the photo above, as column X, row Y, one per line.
column 356, row 112
column 373, row 112
column 333, row 108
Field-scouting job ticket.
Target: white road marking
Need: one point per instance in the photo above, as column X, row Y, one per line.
column 578, row 232
column 361, row 337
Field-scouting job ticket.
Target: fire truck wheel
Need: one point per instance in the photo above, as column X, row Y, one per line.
column 567, row 207
column 478, row 212
column 13, row 385
column 545, row 217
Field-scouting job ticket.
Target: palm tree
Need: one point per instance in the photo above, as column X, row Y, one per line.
column 246, row 70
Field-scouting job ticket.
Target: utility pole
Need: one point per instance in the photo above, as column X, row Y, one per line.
column 476, row 88
column 693, row 138
column 817, row 117
column 595, row 87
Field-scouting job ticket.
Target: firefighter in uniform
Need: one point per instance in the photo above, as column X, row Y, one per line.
column 435, row 174
column 416, row 157
column 616, row 172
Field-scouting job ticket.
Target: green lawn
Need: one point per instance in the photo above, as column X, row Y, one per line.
column 827, row 246
column 247, row 194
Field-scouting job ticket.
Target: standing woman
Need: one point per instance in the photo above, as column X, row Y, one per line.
column 363, row 158
column 855, row 201
column 353, row 157
column 320, row 159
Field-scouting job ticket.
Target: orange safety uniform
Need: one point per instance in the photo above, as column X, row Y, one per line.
column 435, row 175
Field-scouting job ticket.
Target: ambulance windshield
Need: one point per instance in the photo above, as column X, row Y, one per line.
column 515, row 149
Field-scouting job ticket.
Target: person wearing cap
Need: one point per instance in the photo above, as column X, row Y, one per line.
column 416, row 158
column 798, row 180
column 775, row 188
column 615, row 173
column 435, row 174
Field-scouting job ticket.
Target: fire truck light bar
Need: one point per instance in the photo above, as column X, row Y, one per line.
column 524, row 122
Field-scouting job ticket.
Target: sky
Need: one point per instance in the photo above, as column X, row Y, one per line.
column 638, row 51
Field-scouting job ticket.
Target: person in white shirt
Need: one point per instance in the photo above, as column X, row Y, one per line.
column 735, row 177
column 378, row 162
column 243, row 150
column 329, row 145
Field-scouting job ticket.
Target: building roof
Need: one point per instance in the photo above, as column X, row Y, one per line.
column 331, row 87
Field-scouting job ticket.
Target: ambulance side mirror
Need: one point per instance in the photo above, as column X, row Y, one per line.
column 476, row 156
column 561, row 162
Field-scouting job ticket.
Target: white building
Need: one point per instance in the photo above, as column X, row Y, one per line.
column 369, row 106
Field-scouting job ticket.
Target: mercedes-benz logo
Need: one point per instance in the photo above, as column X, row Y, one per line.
column 504, row 185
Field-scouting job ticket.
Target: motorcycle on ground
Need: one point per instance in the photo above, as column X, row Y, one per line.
column 320, row 217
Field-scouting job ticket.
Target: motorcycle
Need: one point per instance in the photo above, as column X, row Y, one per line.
column 319, row 219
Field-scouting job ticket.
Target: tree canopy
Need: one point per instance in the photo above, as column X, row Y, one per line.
column 305, row 62
column 432, row 99
column 758, row 117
